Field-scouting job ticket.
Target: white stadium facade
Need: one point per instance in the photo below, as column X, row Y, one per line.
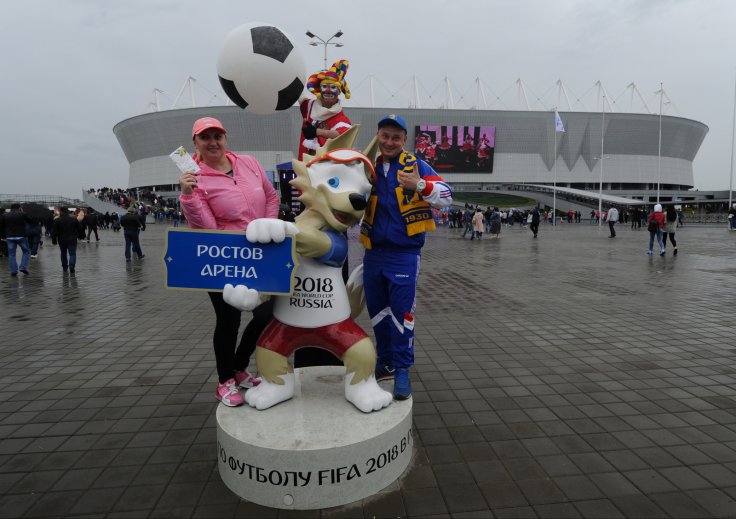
column 635, row 163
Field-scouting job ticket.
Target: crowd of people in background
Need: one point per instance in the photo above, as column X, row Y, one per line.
column 148, row 203
column 65, row 227
column 474, row 221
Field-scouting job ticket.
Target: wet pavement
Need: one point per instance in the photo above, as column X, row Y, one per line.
column 570, row 375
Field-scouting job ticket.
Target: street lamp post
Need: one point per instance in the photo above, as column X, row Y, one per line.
column 659, row 148
column 325, row 43
column 600, row 189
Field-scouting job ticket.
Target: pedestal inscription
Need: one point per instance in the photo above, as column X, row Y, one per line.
column 315, row 450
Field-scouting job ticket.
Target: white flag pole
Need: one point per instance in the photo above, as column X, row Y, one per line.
column 559, row 128
column 554, row 186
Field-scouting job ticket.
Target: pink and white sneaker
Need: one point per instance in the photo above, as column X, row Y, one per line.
column 246, row 380
column 228, row 393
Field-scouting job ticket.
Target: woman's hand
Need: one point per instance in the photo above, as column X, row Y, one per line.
column 187, row 183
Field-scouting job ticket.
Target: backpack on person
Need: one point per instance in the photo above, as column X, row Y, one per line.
column 653, row 226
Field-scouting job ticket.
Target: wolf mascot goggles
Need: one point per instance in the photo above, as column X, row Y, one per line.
column 345, row 155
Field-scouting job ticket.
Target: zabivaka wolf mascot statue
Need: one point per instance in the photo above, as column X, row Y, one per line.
column 335, row 184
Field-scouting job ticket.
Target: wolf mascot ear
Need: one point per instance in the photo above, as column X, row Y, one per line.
column 372, row 150
column 342, row 141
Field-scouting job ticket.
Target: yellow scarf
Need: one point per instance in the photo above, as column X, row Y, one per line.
column 416, row 213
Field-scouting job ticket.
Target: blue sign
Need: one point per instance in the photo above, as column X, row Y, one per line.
column 199, row 259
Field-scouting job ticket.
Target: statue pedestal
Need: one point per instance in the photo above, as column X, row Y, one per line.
column 314, row 451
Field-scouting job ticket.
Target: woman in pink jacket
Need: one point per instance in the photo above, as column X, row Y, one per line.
column 228, row 193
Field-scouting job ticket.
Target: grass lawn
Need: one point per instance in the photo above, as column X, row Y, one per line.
column 492, row 199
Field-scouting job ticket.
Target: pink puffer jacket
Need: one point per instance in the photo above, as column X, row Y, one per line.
column 230, row 203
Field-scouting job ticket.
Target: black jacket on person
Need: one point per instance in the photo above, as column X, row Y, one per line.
column 91, row 220
column 133, row 223
column 13, row 224
column 66, row 230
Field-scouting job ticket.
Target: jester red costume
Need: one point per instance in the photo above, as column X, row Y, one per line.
column 315, row 114
column 325, row 112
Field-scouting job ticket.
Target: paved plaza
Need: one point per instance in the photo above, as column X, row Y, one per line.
column 565, row 376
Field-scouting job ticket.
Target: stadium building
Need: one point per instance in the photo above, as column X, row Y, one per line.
column 472, row 149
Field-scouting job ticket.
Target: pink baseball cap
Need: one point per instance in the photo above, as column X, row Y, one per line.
column 205, row 123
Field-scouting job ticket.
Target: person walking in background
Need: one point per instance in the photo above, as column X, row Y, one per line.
column 65, row 231
column 477, row 224
column 731, row 218
column 13, row 230
column 670, row 226
column 468, row 221
column 496, row 223
column 132, row 224
column 612, row 218
column 33, row 233
column 3, row 242
column 534, row 221
column 487, row 219
column 228, row 193
column 91, row 220
column 655, row 226
column 115, row 221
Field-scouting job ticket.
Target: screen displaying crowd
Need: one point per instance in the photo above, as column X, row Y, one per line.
column 456, row 149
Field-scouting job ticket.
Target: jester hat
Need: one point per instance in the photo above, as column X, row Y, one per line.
column 334, row 74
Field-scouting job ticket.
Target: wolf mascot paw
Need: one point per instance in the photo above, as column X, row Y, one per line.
column 241, row 297
column 267, row 230
column 268, row 394
column 366, row 394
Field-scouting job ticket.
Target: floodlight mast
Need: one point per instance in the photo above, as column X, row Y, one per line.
column 325, row 43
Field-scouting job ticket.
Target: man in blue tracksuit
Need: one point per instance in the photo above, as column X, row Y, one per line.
column 399, row 213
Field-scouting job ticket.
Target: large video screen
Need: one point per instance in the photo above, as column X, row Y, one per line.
column 456, row 149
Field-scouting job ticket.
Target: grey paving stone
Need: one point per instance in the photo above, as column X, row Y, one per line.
column 574, row 412
column 421, row 502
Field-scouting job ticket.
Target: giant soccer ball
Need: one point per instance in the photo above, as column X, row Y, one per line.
column 260, row 69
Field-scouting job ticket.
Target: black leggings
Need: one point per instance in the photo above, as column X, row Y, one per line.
column 672, row 238
column 227, row 358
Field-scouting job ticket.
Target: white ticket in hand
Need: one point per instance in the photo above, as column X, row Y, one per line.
column 184, row 160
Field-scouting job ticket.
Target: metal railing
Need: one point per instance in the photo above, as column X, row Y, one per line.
column 51, row 200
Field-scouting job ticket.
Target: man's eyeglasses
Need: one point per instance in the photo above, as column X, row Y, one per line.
column 210, row 136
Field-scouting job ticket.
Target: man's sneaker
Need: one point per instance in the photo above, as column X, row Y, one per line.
column 402, row 384
column 384, row 373
column 246, row 380
column 228, row 393
column 34, row 256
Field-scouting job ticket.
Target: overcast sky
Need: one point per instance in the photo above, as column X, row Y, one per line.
column 72, row 69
